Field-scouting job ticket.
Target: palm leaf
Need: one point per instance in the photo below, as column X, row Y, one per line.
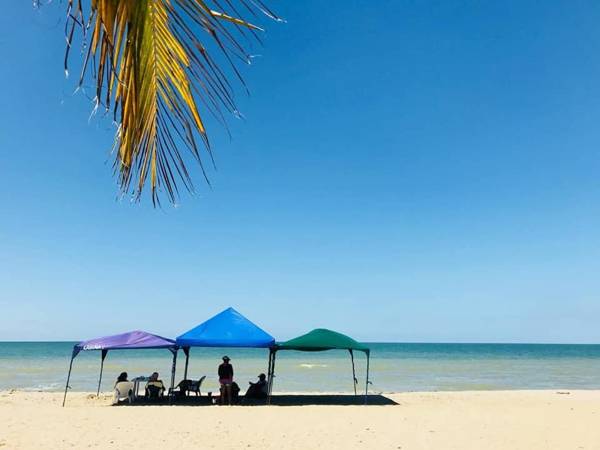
column 150, row 67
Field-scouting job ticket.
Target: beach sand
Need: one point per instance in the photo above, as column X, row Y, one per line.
column 525, row 420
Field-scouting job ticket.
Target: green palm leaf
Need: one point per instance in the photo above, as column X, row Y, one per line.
column 149, row 67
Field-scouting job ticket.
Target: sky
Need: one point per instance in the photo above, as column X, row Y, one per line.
column 413, row 171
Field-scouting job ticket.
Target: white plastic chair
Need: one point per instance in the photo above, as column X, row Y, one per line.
column 123, row 391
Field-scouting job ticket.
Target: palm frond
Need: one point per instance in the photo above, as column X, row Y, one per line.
column 150, row 67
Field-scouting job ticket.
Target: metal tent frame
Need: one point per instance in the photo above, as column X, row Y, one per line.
column 227, row 329
column 317, row 340
column 271, row 374
column 134, row 340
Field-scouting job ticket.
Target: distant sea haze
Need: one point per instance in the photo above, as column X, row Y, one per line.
column 395, row 367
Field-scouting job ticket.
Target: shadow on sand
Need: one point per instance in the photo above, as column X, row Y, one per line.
column 338, row 399
column 277, row 400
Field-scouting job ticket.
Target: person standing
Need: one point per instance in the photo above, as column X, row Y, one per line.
column 226, row 379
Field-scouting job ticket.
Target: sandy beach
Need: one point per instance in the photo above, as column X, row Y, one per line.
column 437, row 420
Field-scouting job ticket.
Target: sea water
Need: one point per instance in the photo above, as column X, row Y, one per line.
column 394, row 367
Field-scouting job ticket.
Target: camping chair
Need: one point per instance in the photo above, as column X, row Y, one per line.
column 123, row 391
column 186, row 386
column 195, row 386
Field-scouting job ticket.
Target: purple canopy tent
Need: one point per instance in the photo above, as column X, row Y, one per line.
column 131, row 340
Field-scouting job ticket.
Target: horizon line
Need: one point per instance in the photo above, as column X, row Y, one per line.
column 32, row 341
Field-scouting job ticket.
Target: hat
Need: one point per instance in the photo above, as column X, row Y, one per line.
column 225, row 358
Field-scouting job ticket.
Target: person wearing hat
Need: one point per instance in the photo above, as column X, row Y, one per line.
column 258, row 389
column 226, row 379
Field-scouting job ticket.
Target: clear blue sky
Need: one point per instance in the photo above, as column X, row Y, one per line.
column 407, row 171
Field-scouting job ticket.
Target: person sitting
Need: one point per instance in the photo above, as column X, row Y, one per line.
column 235, row 392
column 259, row 389
column 123, row 389
column 121, row 377
column 154, row 387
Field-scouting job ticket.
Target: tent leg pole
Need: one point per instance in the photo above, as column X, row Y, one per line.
column 269, row 376
column 269, row 372
column 102, row 356
column 272, row 376
column 187, row 360
column 354, row 380
column 173, row 367
column 367, row 381
column 100, row 378
column 68, row 379
column 273, row 370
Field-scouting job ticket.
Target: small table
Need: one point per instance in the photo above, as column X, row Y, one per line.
column 136, row 385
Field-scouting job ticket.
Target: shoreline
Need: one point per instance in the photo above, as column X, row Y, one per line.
column 345, row 393
column 494, row 420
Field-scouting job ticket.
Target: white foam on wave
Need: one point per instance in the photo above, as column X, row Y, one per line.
column 42, row 387
column 312, row 366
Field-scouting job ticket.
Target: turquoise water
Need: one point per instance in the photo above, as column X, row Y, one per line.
column 394, row 367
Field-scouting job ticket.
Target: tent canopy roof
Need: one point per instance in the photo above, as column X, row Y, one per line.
column 227, row 329
column 322, row 339
column 129, row 340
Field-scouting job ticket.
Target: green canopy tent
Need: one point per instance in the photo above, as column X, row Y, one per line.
column 319, row 340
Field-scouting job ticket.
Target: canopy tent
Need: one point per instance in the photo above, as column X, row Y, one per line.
column 322, row 339
column 229, row 328
column 132, row 340
column 317, row 340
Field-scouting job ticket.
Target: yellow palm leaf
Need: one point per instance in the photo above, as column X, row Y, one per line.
column 150, row 67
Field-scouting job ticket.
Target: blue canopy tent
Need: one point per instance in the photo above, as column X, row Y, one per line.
column 229, row 328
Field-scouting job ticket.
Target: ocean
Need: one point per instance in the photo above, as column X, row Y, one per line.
column 395, row 367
